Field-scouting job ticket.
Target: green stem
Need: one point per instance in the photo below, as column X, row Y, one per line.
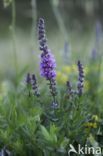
column 34, row 18
column 13, row 36
column 59, row 20
column 52, row 92
column 33, row 28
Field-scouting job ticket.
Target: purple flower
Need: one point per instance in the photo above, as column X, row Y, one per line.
column 47, row 66
column 80, row 84
column 35, row 86
column 28, row 79
column 42, row 36
column 32, row 84
column 70, row 90
column 28, row 83
column 48, row 63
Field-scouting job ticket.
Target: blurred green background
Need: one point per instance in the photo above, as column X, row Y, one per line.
column 67, row 21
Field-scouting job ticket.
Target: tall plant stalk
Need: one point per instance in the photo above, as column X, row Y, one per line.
column 60, row 21
column 13, row 26
column 33, row 28
column 54, row 4
column 34, row 17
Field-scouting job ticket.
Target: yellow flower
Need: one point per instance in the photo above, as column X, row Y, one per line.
column 86, row 70
column 95, row 117
column 94, row 125
column 66, row 69
column 59, row 74
column 74, row 68
column 90, row 125
column 86, row 85
column 61, row 77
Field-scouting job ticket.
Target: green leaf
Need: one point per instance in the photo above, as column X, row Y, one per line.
column 45, row 133
column 53, row 131
column 64, row 143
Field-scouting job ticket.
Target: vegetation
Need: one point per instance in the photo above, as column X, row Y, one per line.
column 43, row 114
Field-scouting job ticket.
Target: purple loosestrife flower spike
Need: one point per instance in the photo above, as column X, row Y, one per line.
column 69, row 88
column 28, row 82
column 48, row 63
column 42, row 36
column 70, row 91
column 35, row 86
column 80, row 84
column 28, row 79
